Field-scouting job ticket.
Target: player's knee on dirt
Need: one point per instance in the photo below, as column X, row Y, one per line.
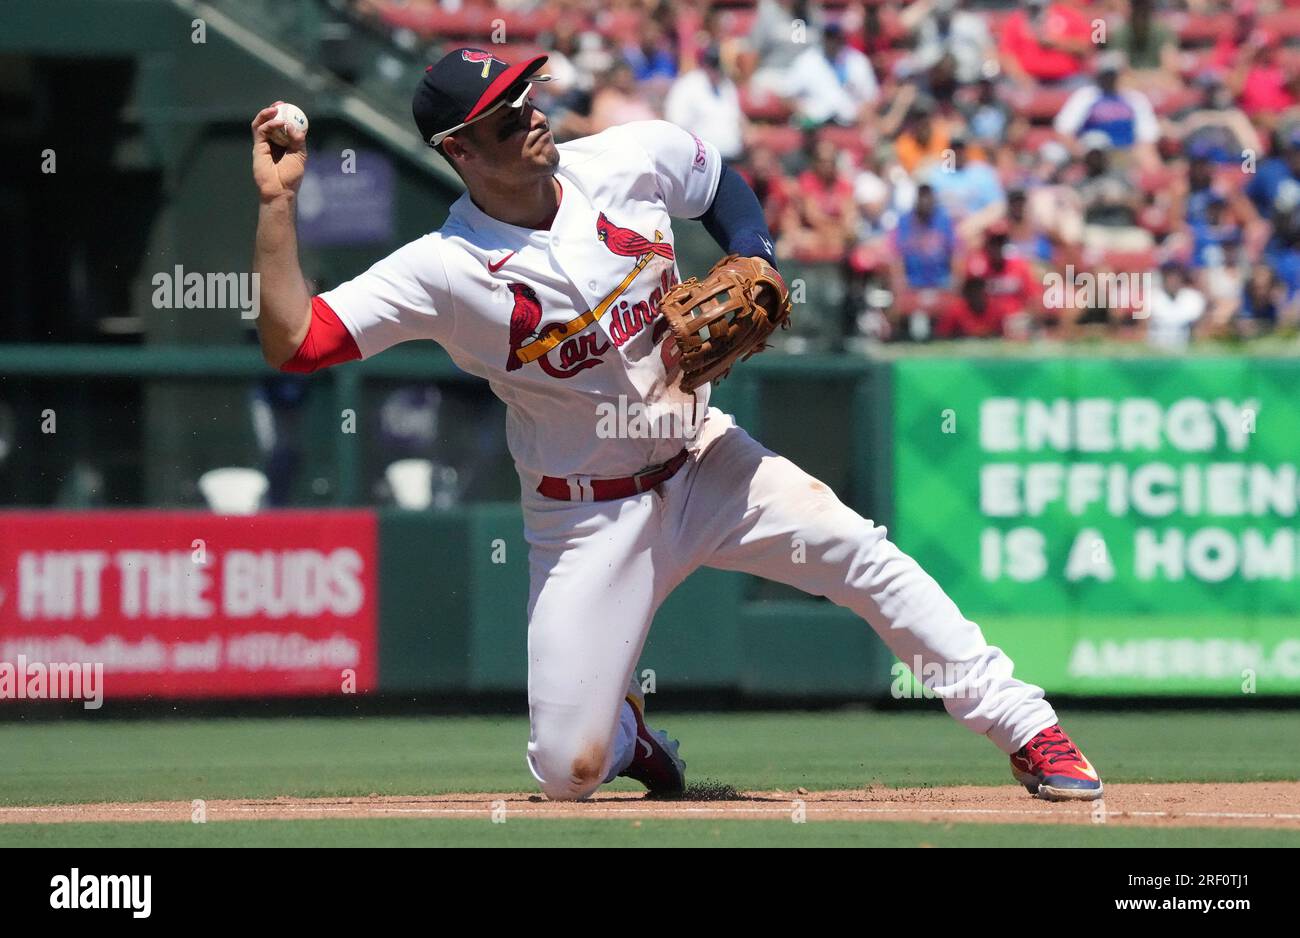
column 567, row 773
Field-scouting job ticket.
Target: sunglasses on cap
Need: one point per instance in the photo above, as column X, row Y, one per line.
column 514, row 97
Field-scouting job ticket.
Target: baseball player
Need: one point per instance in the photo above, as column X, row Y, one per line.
column 546, row 280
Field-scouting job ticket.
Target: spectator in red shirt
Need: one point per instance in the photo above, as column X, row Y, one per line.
column 1227, row 51
column 1262, row 84
column 1045, row 43
column 969, row 314
column 822, row 219
column 767, row 178
column 1013, row 291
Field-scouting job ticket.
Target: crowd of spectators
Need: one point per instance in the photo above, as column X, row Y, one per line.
column 948, row 158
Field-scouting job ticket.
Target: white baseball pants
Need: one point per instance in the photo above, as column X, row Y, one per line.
column 599, row 571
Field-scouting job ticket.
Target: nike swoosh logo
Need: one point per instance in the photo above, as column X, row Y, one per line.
column 649, row 750
column 1087, row 769
column 493, row 268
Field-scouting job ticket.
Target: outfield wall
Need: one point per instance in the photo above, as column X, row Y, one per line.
column 1119, row 526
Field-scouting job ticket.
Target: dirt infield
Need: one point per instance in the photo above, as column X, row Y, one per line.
column 1273, row 805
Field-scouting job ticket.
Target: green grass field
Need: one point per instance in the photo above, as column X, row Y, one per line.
column 87, row 761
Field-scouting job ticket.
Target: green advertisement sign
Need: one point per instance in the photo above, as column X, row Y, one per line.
column 1118, row 526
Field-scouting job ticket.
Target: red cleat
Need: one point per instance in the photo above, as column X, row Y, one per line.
column 655, row 764
column 1054, row 769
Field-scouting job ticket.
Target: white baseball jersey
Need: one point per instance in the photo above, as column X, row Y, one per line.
column 563, row 320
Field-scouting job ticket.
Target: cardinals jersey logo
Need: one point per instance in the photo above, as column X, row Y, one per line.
column 575, row 355
column 627, row 243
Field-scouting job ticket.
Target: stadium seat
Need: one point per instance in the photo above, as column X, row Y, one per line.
column 764, row 107
column 846, row 139
column 781, row 139
column 411, row 482
column 1042, row 105
column 1205, row 29
column 1285, row 23
column 1129, row 260
column 472, row 21
column 233, row 490
column 1035, row 137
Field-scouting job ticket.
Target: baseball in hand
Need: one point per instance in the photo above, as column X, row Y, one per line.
column 294, row 117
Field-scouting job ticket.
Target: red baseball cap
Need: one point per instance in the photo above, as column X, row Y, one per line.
column 466, row 85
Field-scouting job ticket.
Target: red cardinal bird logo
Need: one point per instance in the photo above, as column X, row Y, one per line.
column 626, row 242
column 524, row 319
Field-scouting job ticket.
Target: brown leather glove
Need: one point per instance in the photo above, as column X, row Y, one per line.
column 725, row 317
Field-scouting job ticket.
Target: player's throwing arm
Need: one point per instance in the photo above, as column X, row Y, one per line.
column 285, row 301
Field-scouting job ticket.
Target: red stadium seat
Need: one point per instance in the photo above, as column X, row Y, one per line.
column 1205, row 29
column 782, row 139
column 1042, row 105
column 469, row 22
column 1035, row 137
column 847, row 139
column 764, row 108
column 1129, row 260
column 1285, row 23
column 623, row 26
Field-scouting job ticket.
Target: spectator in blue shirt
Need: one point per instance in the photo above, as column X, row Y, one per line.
column 1124, row 115
column 964, row 186
column 1275, row 188
column 925, row 243
column 652, row 59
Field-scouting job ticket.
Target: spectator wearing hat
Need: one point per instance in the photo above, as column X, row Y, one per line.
column 1047, row 43
column 706, row 102
column 1124, row 115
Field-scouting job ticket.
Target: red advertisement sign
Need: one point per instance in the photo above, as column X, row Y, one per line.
column 189, row 604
